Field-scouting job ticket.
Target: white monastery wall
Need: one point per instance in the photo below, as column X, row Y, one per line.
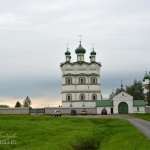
column 139, row 109
column 66, row 110
column 14, row 110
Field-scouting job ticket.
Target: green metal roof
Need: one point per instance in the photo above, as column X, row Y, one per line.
column 104, row 103
column 138, row 103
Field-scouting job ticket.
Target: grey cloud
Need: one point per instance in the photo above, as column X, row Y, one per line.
column 33, row 37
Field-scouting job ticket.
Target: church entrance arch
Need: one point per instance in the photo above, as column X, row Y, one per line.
column 123, row 108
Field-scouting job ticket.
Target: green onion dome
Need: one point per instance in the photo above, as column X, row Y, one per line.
column 80, row 49
column 93, row 52
column 146, row 77
column 122, row 89
column 67, row 52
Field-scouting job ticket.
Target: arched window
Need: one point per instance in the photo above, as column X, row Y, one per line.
column 68, row 97
column 93, row 80
column 81, row 80
column 94, row 97
column 68, row 80
column 82, row 97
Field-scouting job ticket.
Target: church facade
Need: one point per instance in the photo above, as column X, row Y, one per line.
column 81, row 87
column 80, row 80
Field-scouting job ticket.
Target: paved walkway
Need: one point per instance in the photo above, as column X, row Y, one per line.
column 142, row 125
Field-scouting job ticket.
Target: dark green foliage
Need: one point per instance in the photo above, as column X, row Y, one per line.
column 18, row 104
column 136, row 90
column 4, row 106
column 27, row 102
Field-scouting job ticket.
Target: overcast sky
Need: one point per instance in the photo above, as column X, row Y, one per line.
column 33, row 37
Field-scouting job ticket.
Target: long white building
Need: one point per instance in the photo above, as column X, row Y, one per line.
column 80, row 80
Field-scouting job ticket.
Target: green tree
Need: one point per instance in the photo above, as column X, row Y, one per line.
column 27, row 102
column 4, row 106
column 136, row 90
column 18, row 104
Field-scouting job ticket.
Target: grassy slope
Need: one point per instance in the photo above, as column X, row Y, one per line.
column 142, row 116
column 40, row 132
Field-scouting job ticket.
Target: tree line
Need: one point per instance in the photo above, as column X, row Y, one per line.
column 26, row 103
column 137, row 91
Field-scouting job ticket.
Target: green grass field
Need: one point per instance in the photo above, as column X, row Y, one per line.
column 69, row 133
column 142, row 116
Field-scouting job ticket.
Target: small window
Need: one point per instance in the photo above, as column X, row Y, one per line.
column 68, row 97
column 94, row 97
column 82, row 97
column 81, row 80
column 68, row 80
column 93, row 80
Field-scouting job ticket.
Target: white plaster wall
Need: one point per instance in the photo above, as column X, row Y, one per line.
column 94, row 87
column 141, row 109
column 79, row 104
column 82, row 88
column 68, row 88
column 123, row 96
column 146, row 81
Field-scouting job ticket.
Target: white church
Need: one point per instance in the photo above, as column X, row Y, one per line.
column 81, row 87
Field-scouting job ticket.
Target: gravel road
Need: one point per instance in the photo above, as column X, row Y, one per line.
column 142, row 125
